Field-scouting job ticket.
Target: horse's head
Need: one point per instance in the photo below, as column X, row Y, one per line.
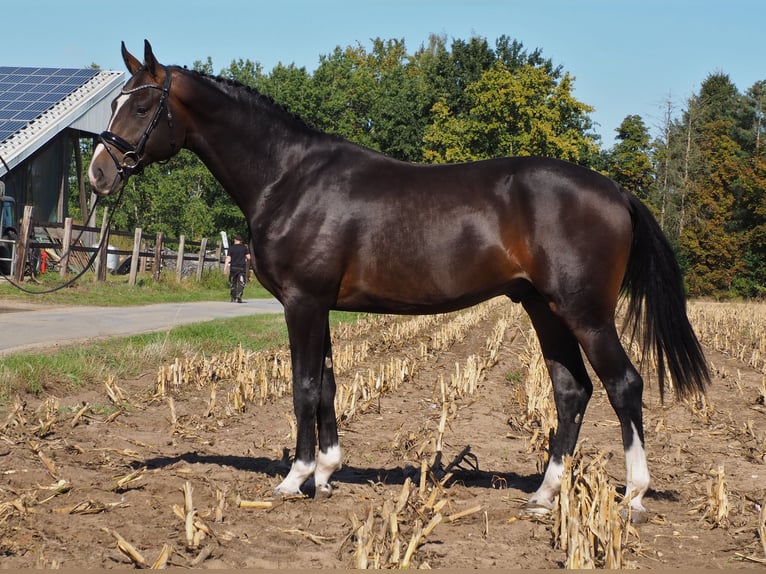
column 141, row 130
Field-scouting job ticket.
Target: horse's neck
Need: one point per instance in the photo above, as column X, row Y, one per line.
column 244, row 142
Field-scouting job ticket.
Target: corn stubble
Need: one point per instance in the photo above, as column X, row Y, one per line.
column 590, row 523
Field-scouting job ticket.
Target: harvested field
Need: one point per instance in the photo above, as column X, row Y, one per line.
column 175, row 468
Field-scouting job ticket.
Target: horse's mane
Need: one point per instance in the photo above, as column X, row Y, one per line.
column 243, row 92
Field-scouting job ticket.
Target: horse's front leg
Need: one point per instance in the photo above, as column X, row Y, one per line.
column 329, row 456
column 308, row 329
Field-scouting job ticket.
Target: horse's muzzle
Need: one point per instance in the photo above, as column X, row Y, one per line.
column 104, row 176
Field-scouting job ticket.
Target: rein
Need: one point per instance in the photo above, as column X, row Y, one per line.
column 132, row 156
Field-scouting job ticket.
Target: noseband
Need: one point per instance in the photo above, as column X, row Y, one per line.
column 132, row 156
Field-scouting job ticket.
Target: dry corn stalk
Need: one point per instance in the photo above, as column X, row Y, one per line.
column 735, row 329
column 162, row 560
column 589, row 526
column 79, row 414
column 127, row 549
column 50, row 466
column 717, row 504
column 122, row 482
column 195, row 529
column 61, row 487
column 390, row 535
column 15, row 416
column 8, row 509
column 114, row 392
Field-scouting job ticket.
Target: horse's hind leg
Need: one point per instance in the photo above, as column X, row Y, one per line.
column 572, row 389
column 624, row 388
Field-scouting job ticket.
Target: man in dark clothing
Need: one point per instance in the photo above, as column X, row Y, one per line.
column 237, row 260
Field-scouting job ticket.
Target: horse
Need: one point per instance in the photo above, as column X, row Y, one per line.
column 337, row 226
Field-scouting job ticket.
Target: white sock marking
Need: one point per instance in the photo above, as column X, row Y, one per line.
column 637, row 481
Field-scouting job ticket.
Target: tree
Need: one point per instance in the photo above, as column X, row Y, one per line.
column 630, row 160
column 520, row 112
column 294, row 88
column 712, row 237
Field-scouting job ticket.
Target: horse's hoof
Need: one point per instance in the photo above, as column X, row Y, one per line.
column 538, row 507
column 637, row 515
column 282, row 492
column 322, row 492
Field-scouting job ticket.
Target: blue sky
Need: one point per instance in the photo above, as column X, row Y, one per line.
column 628, row 56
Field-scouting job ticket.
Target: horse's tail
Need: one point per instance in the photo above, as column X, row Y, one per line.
column 657, row 308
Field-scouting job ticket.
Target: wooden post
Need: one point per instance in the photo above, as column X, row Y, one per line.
column 135, row 256
column 201, row 258
column 66, row 246
column 142, row 258
column 218, row 257
column 103, row 241
column 180, row 257
column 21, row 248
column 80, row 181
column 158, row 255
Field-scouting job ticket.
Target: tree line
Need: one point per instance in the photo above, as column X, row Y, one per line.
column 704, row 175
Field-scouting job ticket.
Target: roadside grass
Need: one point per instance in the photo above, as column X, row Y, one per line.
column 81, row 366
column 115, row 291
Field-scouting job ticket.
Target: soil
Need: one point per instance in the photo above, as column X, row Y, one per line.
column 61, row 504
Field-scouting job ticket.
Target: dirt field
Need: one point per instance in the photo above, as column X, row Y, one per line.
column 180, row 473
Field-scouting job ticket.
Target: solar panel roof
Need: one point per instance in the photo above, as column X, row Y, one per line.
column 25, row 93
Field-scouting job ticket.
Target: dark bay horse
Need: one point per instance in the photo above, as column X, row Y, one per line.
column 338, row 226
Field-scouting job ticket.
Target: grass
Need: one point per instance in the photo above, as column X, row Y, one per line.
column 78, row 366
column 115, row 291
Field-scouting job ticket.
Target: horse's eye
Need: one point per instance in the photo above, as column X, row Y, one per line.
column 142, row 111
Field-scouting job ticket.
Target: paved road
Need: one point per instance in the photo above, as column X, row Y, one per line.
column 26, row 327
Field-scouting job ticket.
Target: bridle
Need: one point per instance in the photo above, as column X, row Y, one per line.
column 132, row 156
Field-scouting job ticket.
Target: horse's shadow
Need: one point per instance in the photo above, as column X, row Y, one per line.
column 464, row 469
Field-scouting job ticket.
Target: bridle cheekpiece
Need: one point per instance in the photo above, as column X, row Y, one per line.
column 132, row 156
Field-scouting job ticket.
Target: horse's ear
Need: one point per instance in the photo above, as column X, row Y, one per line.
column 131, row 62
column 150, row 62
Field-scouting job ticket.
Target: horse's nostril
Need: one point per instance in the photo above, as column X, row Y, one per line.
column 95, row 175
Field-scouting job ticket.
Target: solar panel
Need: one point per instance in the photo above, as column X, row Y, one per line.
column 25, row 93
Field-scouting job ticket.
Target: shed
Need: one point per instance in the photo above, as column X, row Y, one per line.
column 48, row 117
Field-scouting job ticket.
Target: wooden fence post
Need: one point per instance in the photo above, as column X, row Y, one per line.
column 135, row 256
column 180, row 257
column 103, row 242
column 218, row 257
column 158, row 255
column 21, row 248
column 142, row 258
column 201, row 258
column 66, row 246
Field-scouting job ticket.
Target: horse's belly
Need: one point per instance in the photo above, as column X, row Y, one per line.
column 417, row 292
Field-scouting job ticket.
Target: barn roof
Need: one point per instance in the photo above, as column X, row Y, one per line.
column 36, row 104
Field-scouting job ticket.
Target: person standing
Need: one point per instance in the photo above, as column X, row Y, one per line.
column 236, row 264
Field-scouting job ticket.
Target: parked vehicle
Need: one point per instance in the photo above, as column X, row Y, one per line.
column 8, row 232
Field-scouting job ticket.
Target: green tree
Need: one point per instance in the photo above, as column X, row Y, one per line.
column 294, row 88
column 520, row 112
column 630, row 160
column 346, row 87
column 712, row 239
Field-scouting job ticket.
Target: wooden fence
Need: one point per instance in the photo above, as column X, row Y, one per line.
column 71, row 247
